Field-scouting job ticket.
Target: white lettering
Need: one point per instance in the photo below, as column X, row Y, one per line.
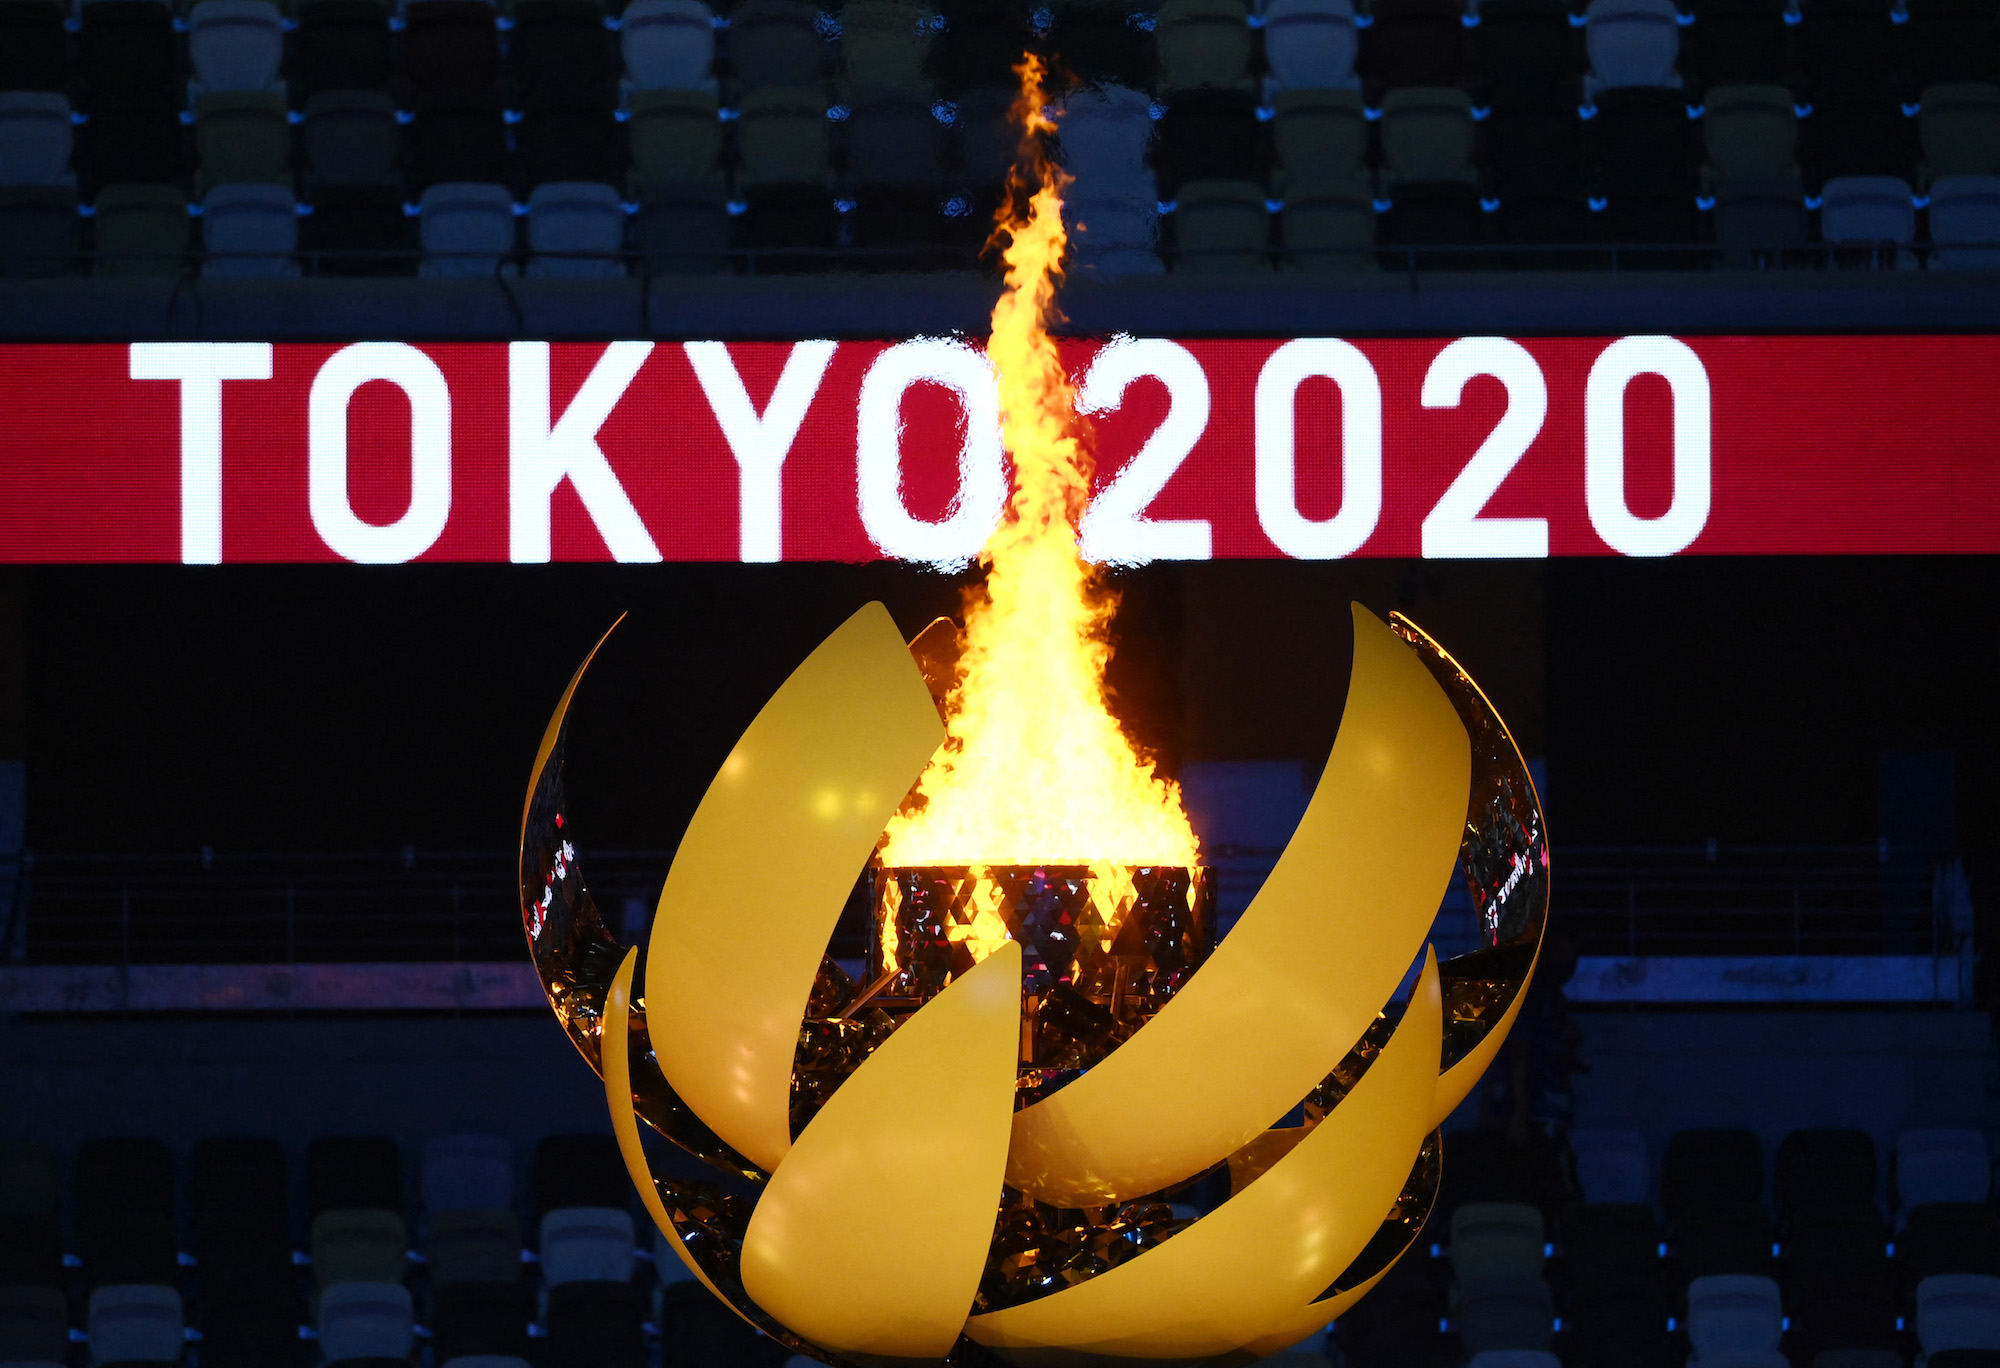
column 201, row 367
column 1604, row 446
column 760, row 445
column 540, row 456
column 1360, row 448
column 1115, row 526
column 333, row 516
column 982, row 483
column 1454, row 527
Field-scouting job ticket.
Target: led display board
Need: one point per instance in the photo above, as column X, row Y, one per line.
column 1210, row 448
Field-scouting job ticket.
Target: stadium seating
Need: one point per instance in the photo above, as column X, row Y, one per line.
column 466, row 228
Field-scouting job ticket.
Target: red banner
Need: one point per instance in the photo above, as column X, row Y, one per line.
column 1309, row 447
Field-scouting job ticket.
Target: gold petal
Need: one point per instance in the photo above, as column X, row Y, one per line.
column 765, row 867
column 872, row 1234
column 1250, row 1270
column 1297, row 980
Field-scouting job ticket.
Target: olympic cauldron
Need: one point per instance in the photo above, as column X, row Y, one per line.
column 972, row 1150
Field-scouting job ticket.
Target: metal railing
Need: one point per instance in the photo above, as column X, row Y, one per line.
column 411, row 905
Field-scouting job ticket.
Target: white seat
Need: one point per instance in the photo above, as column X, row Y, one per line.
column 1870, row 210
column 365, row 1320
column 466, row 228
column 1611, row 1165
column 468, row 1173
column 35, row 138
column 586, row 1244
column 1944, row 1164
column 235, row 45
column 668, row 44
column 1733, row 1313
column 250, row 230
column 575, row 228
column 1310, row 44
column 1514, row 1358
column 134, row 1323
column 1104, row 135
column 1631, row 43
column 1958, row 1311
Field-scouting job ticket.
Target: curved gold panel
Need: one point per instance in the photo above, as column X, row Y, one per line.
column 765, row 867
column 1298, row 979
column 872, row 1234
column 1251, row 1269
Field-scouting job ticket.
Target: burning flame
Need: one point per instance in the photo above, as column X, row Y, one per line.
column 1035, row 769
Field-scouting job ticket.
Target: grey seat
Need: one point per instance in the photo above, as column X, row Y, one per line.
column 468, row 1173
column 1503, row 1313
column 1750, row 131
column 36, row 138
column 250, row 230
column 1733, row 1314
column 894, row 140
column 1329, row 227
column 1965, row 223
column 466, row 229
column 235, row 45
column 1875, row 212
column 1204, row 44
column 781, row 138
column 586, row 1244
column 668, row 45
column 134, row 1323
column 575, row 228
column 351, row 138
column 675, row 138
column 1427, row 135
column 1631, row 43
column 1611, row 1164
column 1321, row 137
column 1222, row 227
column 884, row 45
column 1942, row 1164
column 1959, row 125
column 141, row 230
column 1310, row 44
column 776, row 43
column 473, row 1247
column 364, row 1320
column 1958, row 1311
column 1757, row 220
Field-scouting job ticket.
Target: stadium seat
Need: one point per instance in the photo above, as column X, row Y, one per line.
column 341, row 45
column 1105, row 135
column 359, row 230
column 457, row 144
column 1760, row 222
column 351, row 138
column 1750, row 132
column 1960, row 129
column 1723, row 1238
column 365, row 1320
column 358, row 1245
column 1873, row 217
column 1631, row 43
column 586, row 1244
column 776, row 44
column 1958, row 1311
column 127, row 1245
column 1857, row 1358
column 114, row 1176
column 1861, row 138
column 30, row 1247
column 470, row 1319
column 466, row 228
column 1733, row 1314
column 350, row 1171
column 1111, row 236
column 238, row 1335
column 1737, row 42
column 1496, row 1239
column 467, row 1173
column 1311, row 45
column 1427, row 135
column 242, row 136
column 1503, row 1313
column 571, row 145
column 134, row 1323
column 1104, row 42
column 1396, row 1325
column 575, row 228
column 1616, row 1324
column 1502, row 1358
column 894, row 141
column 684, row 230
column 40, row 233
column 245, row 1261
column 33, row 46
column 1442, row 217
column 1527, row 53
column 1832, row 1314
column 1642, row 144
column 34, row 1325
column 484, row 1361
column 126, row 56
column 696, row 1330
column 781, row 139
column 1816, row 1168
column 668, row 45
column 1941, row 1165
column 1321, row 137
column 236, row 1176
column 895, row 228
column 1414, row 43
column 884, row 45
column 560, row 56
column 473, row 1246
column 133, row 145
column 35, row 138
column 1953, row 40
column 1534, row 152
column 235, row 45
column 598, row 1325
column 1210, row 134
column 675, row 138
column 1221, row 227
column 1203, row 45
column 979, row 45
column 1948, row 1237
column 1849, row 48
column 451, row 54
column 1611, row 1165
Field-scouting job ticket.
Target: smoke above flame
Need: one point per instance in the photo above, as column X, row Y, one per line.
column 1035, row 769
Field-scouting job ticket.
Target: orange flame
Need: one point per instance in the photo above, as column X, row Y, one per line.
column 1035, row 769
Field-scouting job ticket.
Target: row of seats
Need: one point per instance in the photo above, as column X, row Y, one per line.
column 366, row 1281
column 1605, row 1283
